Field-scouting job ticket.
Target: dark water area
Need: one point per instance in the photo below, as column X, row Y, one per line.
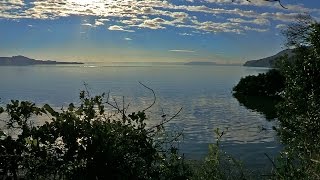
column 264, row 105
column 203, row 92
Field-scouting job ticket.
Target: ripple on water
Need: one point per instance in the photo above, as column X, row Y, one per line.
column 204, row 93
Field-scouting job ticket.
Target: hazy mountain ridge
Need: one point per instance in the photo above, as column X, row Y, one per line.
column 269, row 61
column 210, row 63
column 200, row 63
column 25, row 61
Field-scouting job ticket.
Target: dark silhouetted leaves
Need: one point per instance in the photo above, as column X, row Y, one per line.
column 83, row 143
column 270, row 83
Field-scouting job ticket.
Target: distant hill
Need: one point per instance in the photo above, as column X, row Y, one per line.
column 209, row 63
column 25, row 61
column 200, row 63
column 269, row 61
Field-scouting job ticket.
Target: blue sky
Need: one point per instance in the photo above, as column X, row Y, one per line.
column 147, row 30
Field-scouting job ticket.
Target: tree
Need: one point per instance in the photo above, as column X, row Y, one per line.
column 269, row 84
column 297, row 34
column 299, row 113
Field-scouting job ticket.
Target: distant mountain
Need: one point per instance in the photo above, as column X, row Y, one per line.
column 208, row 63
column 269, row 61
column 25, row 61
column 200, row 63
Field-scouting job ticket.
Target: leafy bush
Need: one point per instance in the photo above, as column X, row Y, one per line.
column 217, row 165
column 268, row 84
column 261, row 93
column 85, row 142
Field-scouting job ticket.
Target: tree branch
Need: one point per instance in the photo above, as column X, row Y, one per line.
column 154, row 96
column 164, row 121
column 279, row 1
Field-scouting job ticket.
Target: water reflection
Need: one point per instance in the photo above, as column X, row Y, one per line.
column 264, row 105
column 204, row 93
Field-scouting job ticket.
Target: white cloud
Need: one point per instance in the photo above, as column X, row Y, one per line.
column 129, row 15
column 128, row 39
column 281, row 26
column 181, row 50
column 87, row 24
column 153, row 23
column 118, row 28
column 185, row 34
column 100, row 22
column 258, row 21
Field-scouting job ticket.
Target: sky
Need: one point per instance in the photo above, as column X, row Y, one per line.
column 222, row 31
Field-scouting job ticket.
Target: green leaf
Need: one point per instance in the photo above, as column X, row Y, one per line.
column 34, row 142
column 28, row 140
column 82, row 95
column 49, row 109
column 2, row 133
column 15, row 102
column 71, row 107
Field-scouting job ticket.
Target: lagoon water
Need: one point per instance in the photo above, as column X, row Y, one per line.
column 204, row 93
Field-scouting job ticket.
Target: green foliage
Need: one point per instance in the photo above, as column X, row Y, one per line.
column 300, row 109
column 85, row 142
column 290, row 166
column 261, row 93
column 268, row 84
column 174, row 166
column 299, row 113
column 218, row 165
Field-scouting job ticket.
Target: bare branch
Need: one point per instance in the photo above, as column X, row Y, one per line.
column 116, row 104
column 273, row 164
column 174, row 138
column 123, row 109
column 154, row 96
column 126, row 108
column 165, row 121
column 279, row 1
column 112, row 105
column 297, row 33
column 86, row 88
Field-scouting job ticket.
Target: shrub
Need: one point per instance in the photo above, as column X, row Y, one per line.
column 268, row 84
column 218, row 165
column 85, row 142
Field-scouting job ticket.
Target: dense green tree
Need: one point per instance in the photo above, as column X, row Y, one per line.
column 299, row 113
column 269, row 84
column 300, row 110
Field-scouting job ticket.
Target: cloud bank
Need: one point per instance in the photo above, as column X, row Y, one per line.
column 206, row 16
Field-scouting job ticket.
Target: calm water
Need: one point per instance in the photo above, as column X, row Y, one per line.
column 204, row 93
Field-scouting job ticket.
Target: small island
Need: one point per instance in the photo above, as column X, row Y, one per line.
column 25, row 61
